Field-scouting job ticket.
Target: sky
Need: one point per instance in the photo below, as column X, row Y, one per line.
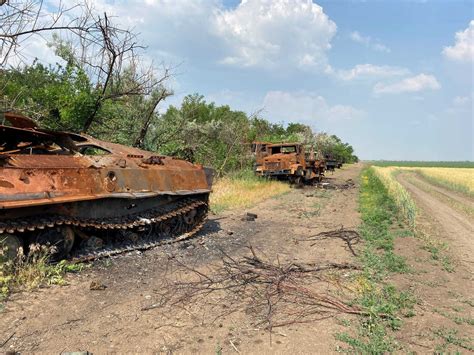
column 392, row 78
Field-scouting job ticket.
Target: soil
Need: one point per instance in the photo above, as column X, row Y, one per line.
column 119, row 304
column 442, row 282
column 455, row 227
column 111, row 306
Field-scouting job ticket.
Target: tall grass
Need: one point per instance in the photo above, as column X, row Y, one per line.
column 401, row 197
column 243, row 190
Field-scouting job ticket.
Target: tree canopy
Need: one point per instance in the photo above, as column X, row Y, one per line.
column 102, row 87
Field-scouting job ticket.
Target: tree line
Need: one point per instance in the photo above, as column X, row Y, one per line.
column 102, row 87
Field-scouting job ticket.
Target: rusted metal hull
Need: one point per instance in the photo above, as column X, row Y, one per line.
column 33, row 180
column 65, row 178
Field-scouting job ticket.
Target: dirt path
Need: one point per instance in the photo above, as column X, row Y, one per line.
column 458, row 226
column 469, row 202
column 441, row 277
column 131, row 315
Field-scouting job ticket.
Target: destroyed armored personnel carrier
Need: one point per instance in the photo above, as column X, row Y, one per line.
column 90, row 198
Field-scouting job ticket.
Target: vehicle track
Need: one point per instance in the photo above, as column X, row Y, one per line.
column 147, row 225
column 469, row 202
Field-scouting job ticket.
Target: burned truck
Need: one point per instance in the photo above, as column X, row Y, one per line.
column 289, row 161
column 331, row 163
column 88, row 198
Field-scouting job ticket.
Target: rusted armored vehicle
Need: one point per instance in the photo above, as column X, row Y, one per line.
column 288, row 161
column 91, row 198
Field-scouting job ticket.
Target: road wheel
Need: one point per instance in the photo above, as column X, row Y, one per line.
column 189, row 218
column 9, row 247
column 60, row 238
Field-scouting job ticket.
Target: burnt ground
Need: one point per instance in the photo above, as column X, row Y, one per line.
column 123, row 310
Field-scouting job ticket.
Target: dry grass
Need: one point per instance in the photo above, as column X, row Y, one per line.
column 243, row 191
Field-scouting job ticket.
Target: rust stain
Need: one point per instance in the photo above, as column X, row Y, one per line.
column 6, row 184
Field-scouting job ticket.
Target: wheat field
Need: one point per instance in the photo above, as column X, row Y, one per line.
column 459, row 179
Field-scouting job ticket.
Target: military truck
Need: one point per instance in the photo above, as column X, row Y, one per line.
column 289, row 161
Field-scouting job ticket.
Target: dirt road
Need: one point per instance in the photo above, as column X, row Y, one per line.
column 441, row 260
column 440, row 204
column 125, row 310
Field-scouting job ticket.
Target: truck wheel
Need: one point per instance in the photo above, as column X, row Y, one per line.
column 299, row 181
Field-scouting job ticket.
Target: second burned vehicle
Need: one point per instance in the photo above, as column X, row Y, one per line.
column 288, row 161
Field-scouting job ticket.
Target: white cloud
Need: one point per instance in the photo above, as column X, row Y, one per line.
column 381, row 48
column 255, row 33
column 273, row 33
column 369, row 42
column 371, row 71
column 461, row 105
column 463, row 49
column 306, row 107
column 357, row 37
column 33, row 48
column 416, row 83
column 461, row 100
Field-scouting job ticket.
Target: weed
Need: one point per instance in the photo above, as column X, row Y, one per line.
column 450, row 337
column 372, row 338
column 218, row 349
column 455, row 318
column 33, row 270
column 379, row 213
column 436, row 249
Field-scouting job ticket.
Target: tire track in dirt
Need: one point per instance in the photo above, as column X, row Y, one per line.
column 469, row 202
column 458, row 227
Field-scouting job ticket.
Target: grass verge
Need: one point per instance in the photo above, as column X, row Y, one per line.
column 242, row 190
column 386, row 305
column 400, row 196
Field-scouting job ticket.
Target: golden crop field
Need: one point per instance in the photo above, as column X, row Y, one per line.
column 460, row 179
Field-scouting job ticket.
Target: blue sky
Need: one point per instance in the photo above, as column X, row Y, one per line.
column 393, row 78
